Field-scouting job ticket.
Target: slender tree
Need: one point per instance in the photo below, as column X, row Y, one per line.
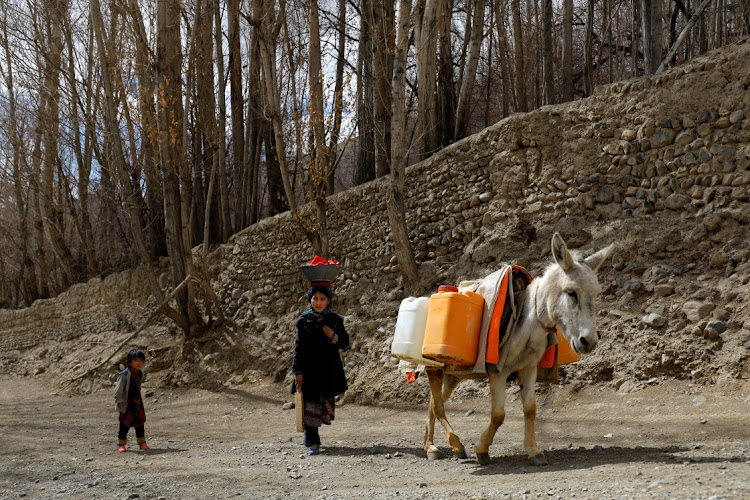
column 426, row 69
column 465, row 96
column 396, row 209
column 567, row 51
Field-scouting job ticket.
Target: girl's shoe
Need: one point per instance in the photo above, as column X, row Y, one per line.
column 122, row 448
column 144, row 446
column 314, row 450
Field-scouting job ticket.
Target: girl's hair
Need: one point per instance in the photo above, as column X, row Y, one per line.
column 135, row 353
column 325, row 290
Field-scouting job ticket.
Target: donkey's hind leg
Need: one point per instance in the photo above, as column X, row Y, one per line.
column 497, row 416
column 439, row 393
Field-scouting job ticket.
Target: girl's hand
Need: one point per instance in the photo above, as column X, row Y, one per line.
column 328, row 332
column 121, row 406
column 298, row 379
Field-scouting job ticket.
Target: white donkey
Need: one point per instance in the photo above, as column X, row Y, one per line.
column 563, row 296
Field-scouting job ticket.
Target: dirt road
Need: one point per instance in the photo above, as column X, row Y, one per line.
column 674, row 440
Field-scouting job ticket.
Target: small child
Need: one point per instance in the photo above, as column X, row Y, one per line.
column 318, row 371
column 129, row 402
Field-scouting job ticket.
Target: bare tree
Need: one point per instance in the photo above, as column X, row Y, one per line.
column 338, row 97
column 365, row 169
column 426, row 69
column 241, row 163
column 465, row 96
column 445, row 93
column 588, row 56
column 396, row 215
column 651, row 29
column 51, row 216
column 520, row 59
column 383, row 42
column 567, row 51
column 171, row 154
column 547, row 75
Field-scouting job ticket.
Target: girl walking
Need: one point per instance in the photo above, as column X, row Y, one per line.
column 318, row 371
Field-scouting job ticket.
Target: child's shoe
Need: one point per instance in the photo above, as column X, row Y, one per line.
column 144, row 446
column 314, row 450
column 122, row 448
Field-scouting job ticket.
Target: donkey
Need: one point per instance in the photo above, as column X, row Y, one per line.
column 563, row 296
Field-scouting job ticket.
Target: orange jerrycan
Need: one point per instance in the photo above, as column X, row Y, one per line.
column 454, row 320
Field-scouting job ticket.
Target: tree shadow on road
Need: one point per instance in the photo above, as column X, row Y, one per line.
column 160, row 451
column 377, row 450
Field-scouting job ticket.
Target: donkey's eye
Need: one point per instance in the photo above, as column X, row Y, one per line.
column 573, row 295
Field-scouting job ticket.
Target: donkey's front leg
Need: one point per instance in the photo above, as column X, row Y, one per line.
column 527, row 379
column 437, row 410
column 497, row 416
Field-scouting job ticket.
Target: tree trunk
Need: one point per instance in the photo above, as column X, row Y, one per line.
column 270, row 28
column 652, row 36
column 136, row 221
column 588, row 57
column 144, row 69
column 502, row 36
column 318, row 175
column 171, row 140
column 365, row 170
column 383, row 57
column 445, row 97
column 396, row 216
column 338, row 98
column 520, row 61
column 547, row 75
column 26, row 275
column 221, row 127
column 240, row 164
column 248, row 211
column 469, row 75
column 426, row 69
column 567, row 51
column 83, row 161
column 56, row 10
column 634, row 44
column 255, row 133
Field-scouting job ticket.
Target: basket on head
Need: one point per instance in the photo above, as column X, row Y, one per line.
column 325, row 273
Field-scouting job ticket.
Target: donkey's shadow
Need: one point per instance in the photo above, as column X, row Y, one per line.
column 582, row 458
column 559, row 460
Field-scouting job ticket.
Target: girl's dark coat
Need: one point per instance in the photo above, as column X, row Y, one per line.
column 317, row 357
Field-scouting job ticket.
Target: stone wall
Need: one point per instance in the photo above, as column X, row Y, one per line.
column 113, row 304
column 675, row 142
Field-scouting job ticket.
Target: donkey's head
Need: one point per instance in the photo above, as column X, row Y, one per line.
column 571, row 287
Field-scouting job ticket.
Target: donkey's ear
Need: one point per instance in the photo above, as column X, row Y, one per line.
column 561, row 253
column 596, row 260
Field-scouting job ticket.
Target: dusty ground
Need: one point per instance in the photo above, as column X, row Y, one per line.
column 673, row 439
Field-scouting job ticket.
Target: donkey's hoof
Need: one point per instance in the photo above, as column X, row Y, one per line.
column 460, row 454
column 538, row 459
column 483, row 458
column 433, row 455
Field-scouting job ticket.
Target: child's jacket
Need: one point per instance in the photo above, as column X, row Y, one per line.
column 122, row 387
column 317, row 357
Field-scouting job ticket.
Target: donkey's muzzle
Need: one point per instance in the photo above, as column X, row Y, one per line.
column 584, row 344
